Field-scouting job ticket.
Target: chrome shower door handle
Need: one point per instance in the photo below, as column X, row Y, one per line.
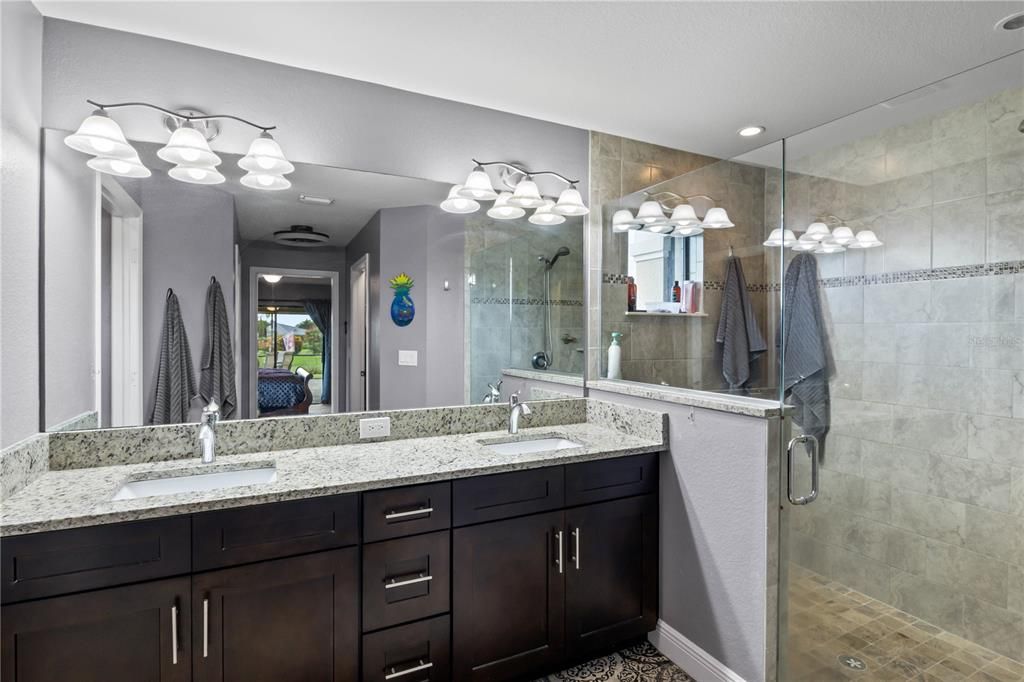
column 812, row 451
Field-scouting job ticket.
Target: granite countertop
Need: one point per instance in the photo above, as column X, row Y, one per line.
column 710, row 400
column 82, row 497
column 545, row 375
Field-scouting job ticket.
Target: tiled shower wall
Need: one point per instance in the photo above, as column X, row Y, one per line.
column 922, row 491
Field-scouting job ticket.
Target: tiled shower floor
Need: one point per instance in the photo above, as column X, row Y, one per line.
column 828, row 620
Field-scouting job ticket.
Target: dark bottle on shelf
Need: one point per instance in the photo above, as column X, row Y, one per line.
column 630, row 295
column 677, row 293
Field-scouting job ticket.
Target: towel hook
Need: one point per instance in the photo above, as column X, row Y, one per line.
column 731, row 254
column 213, row 279
column 170, row 292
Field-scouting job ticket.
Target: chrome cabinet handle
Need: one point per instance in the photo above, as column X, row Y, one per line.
column 559, row 561
column 413, row 512
column 408, row 671
column 791, row 476
column 174, row 634
column 576, row 547
column 395, row 582
column 206, row 627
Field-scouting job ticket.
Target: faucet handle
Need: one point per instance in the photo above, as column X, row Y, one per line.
column 211, row 413
column 513, row 399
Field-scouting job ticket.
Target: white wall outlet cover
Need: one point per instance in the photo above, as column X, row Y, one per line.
column 375, row 427
column 408, row 358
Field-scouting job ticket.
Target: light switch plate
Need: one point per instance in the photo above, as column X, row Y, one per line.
column 377, row 427
column 408, row 358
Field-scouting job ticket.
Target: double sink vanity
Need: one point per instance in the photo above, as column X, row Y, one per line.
column 471, row 555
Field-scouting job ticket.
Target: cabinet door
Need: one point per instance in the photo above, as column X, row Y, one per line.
column 289, row 619
column 508, row 598
column 611, row 573
column 121, row 633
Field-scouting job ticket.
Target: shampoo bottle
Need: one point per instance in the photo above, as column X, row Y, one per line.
column 615, row 357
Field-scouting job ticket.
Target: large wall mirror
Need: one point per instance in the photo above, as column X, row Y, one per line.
column 348, row 291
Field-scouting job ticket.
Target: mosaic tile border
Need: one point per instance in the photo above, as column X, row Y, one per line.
column 503, row 300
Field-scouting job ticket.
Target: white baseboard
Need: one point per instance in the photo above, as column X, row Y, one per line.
column 701, row 665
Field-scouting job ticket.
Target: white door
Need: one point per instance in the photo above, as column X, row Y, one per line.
column 126, row 399
column 359, row 328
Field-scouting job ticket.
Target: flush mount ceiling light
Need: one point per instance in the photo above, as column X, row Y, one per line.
column 271, row 279
column 300, row 235
column 524, row 194
column 1014, row 22
column 188, row 148
column 751, row 131
column 683, row 221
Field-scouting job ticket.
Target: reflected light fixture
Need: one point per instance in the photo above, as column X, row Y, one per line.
column 188, row 147
column 196, row 175
column 502, row 210
column 522, row 193
column 716, row 219
column 123, row 167
column 271, row 279
column 456, row 203
column 265, row 181
column 570, row 203
column 820, row 238
column 623, row 221
column 478, row 186
column 545, row 215
column 526, row 195
column 265, row 157
column 683, row 221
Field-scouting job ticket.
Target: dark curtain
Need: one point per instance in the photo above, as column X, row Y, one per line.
column 320, row 313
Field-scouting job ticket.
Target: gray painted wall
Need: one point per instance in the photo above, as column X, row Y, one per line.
column 713, row 524
column 21, row 36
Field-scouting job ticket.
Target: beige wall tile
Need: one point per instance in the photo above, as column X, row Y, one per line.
column 932, row 517
column 930, row 601
column 959, row 229
column 968, row 572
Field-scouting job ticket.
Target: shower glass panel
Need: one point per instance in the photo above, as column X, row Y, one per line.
column 910, row 562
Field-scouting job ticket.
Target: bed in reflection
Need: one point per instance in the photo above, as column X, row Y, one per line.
column 282, row 392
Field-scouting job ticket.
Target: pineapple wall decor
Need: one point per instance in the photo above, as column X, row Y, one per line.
column 402, row 308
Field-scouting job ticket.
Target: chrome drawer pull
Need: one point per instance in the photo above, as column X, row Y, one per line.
column 206, row 627
column 174, row 635
column 408, row 671
column 395, row 582
column 414, row 512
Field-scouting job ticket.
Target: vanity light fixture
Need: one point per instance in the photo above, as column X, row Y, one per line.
column 521, row 193
column 623, row 221
column 820, row 238
column 779, row 237
column 265, row 181
column 197, row 175
column 683, row 221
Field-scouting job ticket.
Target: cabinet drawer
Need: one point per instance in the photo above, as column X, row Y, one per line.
column 63, row 561
column 502, row 496
column 270, row 531
column 415, row 652
column 405, row 579
column 609, row 479
column 397, row 512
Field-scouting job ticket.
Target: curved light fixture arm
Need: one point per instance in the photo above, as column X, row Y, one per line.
column 832, row 220
column 520, row 169
column 679, row 198
column 179, row 115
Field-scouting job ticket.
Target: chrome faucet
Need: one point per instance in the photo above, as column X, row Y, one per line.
column 207, row 435
column 517, row 409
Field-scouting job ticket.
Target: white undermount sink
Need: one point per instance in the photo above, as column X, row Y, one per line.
column 525, row 447
column 195, row 483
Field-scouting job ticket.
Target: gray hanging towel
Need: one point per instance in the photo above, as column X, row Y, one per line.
column 217, row 376
column 738, row 332
column 803, row 343
column 175, row 380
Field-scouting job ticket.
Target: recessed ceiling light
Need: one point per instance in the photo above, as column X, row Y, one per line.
column 318, row 201
column 750, row 131
column 1014, row 22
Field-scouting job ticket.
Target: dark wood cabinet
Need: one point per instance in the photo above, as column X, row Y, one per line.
column 120, row 633
column 508, row 598
column 611, row 574
column 286, row 619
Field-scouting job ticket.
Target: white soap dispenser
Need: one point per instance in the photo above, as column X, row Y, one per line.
column 615, row 357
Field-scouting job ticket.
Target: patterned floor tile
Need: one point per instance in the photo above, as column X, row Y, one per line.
column 638, row 663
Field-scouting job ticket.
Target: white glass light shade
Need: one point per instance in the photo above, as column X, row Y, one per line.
column 570, row 203
column 663, row 227
column 623, row 221
column 101, row 136
column 866, row 239
column 188, row 147
column 780, row 237
column 502, row 210
column 197, row 175
column 829, row 247
column 688, row 231
column 544, row 215
column 683, row 215
column 455, row 203
column 526, row 195
column 125, row 168
column 271, row 279
column 478, row 186
column 817, row 231
column 650, row 212
column 805, row 245
column 842, row 235
column 716, row 219
column 270, row 182
column 265, row 156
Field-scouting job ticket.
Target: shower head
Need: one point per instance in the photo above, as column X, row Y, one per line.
column 550, row 262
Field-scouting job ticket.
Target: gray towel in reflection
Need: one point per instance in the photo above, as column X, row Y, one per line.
column 738, row 332
column 803, row 341
column 175, row 379
column 217, row 376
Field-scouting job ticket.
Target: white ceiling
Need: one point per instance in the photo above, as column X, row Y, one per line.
column 682, row 74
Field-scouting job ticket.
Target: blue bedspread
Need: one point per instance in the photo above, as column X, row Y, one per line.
column 279, row 390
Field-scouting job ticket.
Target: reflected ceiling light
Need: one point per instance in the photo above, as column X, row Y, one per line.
column 716, row 219
column 751, row 131
column 805, row 245
column 196, row 175
column 526, row 195
column 817, row 231
column 570, row 203
column 265, row 181
column 478, row 186
column 842, row 235
column 125, row 168
column 316, row 201
column 101, row 136
column 683, row 215
column 188, row 147
column 301, row 235
column 271, row 279
column 623, row 221
column 1014, row 22
column 455, row 203
column 865, row 239
column 780, row 237
column 502, row 210
column 265, row 156
column 663, row 227
column 545, row 215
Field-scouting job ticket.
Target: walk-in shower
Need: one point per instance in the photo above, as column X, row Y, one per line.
column 542, row 359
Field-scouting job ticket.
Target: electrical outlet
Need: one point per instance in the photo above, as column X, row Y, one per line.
column 378, row 427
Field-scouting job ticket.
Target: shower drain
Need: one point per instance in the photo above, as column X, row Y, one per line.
column 853, row 663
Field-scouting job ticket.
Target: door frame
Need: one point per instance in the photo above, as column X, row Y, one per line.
column 361, row 268
column 254, row 298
